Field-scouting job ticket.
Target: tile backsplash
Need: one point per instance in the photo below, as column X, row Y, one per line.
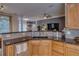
column 72, row 33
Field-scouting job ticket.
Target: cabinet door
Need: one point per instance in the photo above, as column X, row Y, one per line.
column 58, row 48
column 34, row 47
column 10, row 50
column 45, row 48
column 40, row 47
column 72, row 15
column 35, row 50
column 29, row 48
column 72, row 52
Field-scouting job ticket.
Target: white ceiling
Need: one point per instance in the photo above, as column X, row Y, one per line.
column 35, row 9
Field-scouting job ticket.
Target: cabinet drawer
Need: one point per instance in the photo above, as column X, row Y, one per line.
column 46, row 42
column 58, row 48
column 35, row 42
column 54, row 53
column 58, row 43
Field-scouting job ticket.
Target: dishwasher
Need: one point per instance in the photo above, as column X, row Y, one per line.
column 21, row 49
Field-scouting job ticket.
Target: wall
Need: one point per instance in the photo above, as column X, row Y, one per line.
column 14, row 23
column 60, row 20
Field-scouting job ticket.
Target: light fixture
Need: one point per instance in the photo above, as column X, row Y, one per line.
column 46, row 15
column 2, row 7
column 26, row 19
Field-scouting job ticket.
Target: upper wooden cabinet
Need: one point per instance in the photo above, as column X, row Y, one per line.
column 44, row 47
column 72, row 15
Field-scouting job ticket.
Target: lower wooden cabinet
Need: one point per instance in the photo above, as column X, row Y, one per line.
column 10, row 50
column 64, row 49
column 33, row 47
column 71, row 50
column 57, row 48
column 45, row 48
column 40, row 47
column 52, row 48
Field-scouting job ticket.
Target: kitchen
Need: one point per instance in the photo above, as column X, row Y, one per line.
column 41, row 29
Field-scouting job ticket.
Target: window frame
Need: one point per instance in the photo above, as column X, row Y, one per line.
column 10, row 17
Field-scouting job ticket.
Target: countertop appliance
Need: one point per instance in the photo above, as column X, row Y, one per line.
column 76, row 39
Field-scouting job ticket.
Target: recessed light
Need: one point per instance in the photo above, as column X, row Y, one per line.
column 50, row 6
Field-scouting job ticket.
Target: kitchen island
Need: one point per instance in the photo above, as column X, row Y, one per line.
column 38, row 46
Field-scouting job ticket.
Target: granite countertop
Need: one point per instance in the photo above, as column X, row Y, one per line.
column 13, row 39
column 23, row 39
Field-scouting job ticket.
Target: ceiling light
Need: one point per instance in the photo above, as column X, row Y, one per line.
column 46, row 15
column 50, row 6
column 2, row 7
column 26, row 19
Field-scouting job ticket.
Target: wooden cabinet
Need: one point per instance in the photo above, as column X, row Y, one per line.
column 40, row 47
column 64, row 49
column 51, row 47
column 57, row 48
column 45, row 48
column 10, row 51
column 34, row 47
column 71, row 50
column 72, row 15
column 29, row 48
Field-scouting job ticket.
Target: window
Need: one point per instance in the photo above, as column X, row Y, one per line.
column 22, row 24
column 4, row 24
